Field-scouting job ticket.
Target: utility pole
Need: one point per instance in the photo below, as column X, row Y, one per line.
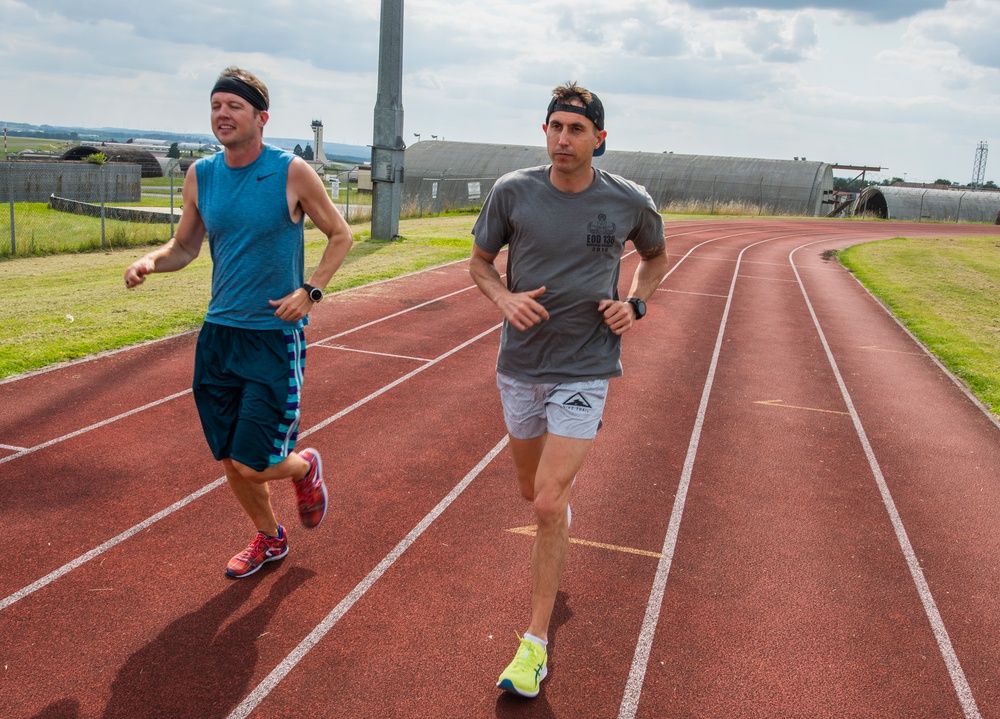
column 388, row 145
column 979, row 168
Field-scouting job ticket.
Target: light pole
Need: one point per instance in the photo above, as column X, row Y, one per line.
column 388, row 145
column 417, row 135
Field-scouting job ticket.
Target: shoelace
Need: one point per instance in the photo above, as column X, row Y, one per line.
column 255, row 546
column 524, row 659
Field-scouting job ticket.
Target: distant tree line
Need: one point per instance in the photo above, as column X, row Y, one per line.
column 844, row 184
column 44, row 134
column 306, row 154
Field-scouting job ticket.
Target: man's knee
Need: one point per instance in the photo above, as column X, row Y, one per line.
column 238, row 470
column 550, row 508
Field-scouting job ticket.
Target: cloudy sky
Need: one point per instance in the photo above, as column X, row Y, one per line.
column 912, row 86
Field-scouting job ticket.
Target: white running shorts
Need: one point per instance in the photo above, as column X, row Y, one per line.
column 568, row 409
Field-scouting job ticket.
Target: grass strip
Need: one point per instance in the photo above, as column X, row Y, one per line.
column 67, row 306
column 946, row 292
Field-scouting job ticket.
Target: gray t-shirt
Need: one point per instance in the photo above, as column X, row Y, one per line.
column 572, row 244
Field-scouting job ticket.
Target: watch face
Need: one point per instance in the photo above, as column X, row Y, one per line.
column 315, row 294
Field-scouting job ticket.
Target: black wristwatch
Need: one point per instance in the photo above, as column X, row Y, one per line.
column 638, row 306
column 315, row 293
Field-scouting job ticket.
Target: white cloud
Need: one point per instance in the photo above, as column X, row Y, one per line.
column 877, row 11
column 902, row 83
column 778, row 38
column 972, row 32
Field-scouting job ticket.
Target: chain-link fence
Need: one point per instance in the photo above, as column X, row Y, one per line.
column 434, row 195
column 53, row 207
column 346, row 194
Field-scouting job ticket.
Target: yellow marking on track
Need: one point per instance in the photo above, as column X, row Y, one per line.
column 779, row 403
column 531, row 529
column 895, row 352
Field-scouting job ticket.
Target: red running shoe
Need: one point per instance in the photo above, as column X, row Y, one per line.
column 310, row 491
column 262, row 549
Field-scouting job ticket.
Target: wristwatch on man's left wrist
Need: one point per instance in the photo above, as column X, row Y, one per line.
column 638, row 306
column 315, row 293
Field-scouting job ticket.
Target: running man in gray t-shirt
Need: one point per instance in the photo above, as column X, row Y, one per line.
column 565, row 226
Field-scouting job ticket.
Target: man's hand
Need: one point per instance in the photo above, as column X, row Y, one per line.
column 293, row 307
column 618, row 315
column 135, row 274
column 521, row 308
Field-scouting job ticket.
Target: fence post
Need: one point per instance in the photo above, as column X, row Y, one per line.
column 173, row 165
column 100, row 174
column 10, row 200
column 347, row 205
column 171, row 200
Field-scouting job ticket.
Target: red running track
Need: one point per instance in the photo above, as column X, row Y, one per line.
column 790, row 512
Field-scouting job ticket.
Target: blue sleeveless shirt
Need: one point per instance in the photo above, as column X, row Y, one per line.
column 257, row 250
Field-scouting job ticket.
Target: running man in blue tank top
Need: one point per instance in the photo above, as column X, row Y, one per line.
column 565, row 226
column 251, row 201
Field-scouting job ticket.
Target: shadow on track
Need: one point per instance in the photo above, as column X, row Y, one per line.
column 199, row 667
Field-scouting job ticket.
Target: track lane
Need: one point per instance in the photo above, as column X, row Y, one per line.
column 772, row 673
column 939, row 455
column 367, row 518
column 287, row 610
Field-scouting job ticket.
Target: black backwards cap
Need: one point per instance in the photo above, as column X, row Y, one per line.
column 244, row 89
column 594, row 111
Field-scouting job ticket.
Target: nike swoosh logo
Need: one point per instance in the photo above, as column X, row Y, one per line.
column 264, row 177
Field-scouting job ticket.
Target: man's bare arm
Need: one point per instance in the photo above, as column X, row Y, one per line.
column 520, row 308
column 306, row 194
column 653, row 264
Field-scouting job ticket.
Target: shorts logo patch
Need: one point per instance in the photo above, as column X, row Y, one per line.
column 578, row 401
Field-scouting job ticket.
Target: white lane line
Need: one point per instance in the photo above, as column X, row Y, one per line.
column 699, row 294
column 766, row 279
column 397, row 382
column 393, row 315
column 644, row 644
column 90, row 358
column 987, row 412
column 12, row 448
column 96, row 425
column 369, row 352
column 958, row 679
column 108, row 353
column 22, row 451
column 272, row 680
column 118, row 539
column 113, row 542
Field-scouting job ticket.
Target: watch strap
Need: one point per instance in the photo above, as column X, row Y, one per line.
column 315, row 293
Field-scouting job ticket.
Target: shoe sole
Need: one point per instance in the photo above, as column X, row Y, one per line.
column 247, row 574
column 508, row 686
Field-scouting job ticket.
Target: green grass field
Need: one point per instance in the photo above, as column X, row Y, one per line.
column 67, row 306
column 16, row 144
column 946, row 291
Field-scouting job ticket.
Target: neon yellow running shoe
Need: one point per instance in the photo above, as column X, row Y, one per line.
column 524, row 674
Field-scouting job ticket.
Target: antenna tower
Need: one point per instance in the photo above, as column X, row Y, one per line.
column 979, row 168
